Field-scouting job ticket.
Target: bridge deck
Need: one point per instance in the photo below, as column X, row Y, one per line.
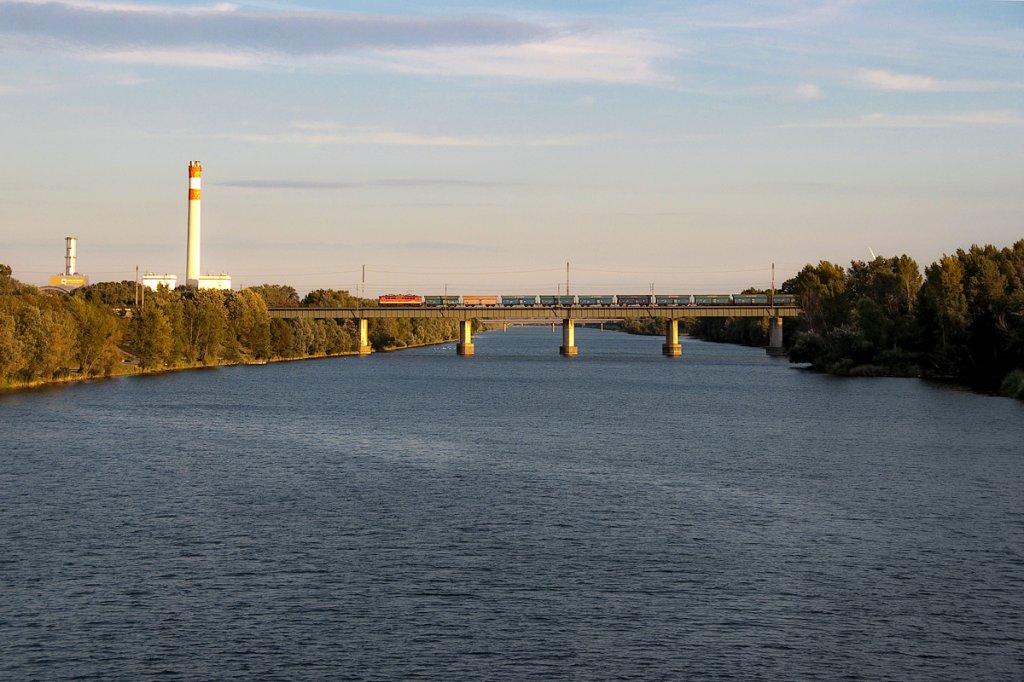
column 537, row 313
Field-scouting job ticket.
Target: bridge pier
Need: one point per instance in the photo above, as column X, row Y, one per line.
column 672, row 348
column 364, row 337
column 775, row 337
column 568, row 347
column 465, row 346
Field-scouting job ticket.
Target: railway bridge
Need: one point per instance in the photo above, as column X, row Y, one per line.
column 567, row 315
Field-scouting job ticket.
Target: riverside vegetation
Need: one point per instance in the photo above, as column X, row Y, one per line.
column 962, row 319
column 98, row 331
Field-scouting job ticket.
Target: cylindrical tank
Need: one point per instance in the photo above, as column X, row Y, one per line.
column 71, row 257
column 195, row 170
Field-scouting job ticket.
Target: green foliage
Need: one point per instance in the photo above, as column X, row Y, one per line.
column 277, row 295
column 98, row 328
column 1013, row 385
column 117, row 294
column 963, row 319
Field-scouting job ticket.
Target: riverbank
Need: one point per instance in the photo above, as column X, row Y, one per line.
column 131, row 369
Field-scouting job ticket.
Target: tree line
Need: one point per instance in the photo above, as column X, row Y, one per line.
column 99, row 330
column 962, row 318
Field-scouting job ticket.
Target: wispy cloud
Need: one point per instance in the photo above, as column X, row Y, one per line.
column 808, row 91
column 368, row 184
column 621, row 57
column 223, row 36
column 990, row 119
column 880, row 79
column 327, row 133
column 887, row 80
column 126, row 27
column 771, row 15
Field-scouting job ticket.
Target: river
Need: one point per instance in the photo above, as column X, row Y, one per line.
column 512, row 515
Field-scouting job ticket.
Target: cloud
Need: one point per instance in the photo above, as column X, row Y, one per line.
column 328, row 133
column 223, row 36
column 619, row 57
column 124, row 27
column 369, row 184
column 767, row 15
column 808, row 91
column 986, row 119
column 880, row 79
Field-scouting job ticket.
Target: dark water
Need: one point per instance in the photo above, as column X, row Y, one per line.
column 513, row 515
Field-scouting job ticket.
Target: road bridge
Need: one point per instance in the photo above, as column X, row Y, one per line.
column 567, row 315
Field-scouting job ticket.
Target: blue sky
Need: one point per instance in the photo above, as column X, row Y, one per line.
column 682, row 144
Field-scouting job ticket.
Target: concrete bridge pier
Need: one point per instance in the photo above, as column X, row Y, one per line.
column 775, row 337
column 465, row 346
column 364, row 337
column 568, row 347
column 672, row 348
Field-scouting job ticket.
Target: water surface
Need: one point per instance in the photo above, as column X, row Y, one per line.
column 515, row 514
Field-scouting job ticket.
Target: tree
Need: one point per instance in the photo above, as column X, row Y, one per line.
column 943, row 314
column 11, row 358
column 330, row 298
column 205, row 321
column 98, row 336
column 277, row 295
column 153, row 337
column 250, row 322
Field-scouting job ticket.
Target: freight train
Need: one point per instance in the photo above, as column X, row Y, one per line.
column 586, row 300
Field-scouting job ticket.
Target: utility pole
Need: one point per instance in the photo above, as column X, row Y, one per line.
column 772, row 301
column 136, row 286
column 567, row 278
column 363, row 282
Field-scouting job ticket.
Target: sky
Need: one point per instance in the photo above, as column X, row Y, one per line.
column 683, row 146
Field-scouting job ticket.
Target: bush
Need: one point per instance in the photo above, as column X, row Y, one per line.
column 1013, row 385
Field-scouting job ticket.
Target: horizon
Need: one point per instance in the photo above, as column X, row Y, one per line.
column 687, row 148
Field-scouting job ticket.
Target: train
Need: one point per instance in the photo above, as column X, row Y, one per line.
column 586, row 300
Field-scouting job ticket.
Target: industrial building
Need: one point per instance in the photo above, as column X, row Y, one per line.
column 153, row 280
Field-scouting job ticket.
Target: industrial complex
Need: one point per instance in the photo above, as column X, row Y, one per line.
column 193, row 277
column 72, row 279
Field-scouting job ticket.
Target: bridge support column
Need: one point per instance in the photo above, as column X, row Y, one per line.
column 672, row 348
column 568, row 347
column 465, row 346
column 775, row 337
column 364, row 337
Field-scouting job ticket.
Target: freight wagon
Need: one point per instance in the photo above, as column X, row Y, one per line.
column 480, row 301
column 633, row 299
column 712, row 299
column 441, row 301
column 519, row 301
column 672, row 299
column 551, row 301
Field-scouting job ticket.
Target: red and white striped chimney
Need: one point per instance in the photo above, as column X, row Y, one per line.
column 195, row 170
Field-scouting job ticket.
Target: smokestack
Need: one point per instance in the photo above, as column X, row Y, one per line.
column 71, row 257
column 195, row 169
